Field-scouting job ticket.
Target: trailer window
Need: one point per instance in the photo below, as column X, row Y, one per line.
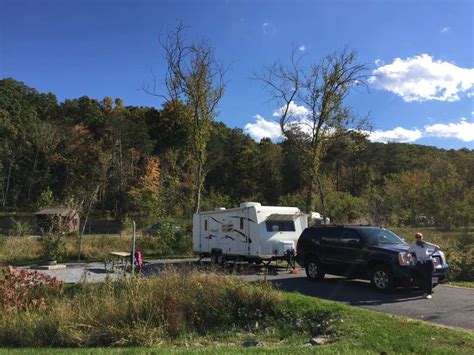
column 205, row 224
column 241, row 223
column 280, row 226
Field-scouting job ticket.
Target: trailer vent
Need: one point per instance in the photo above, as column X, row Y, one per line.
column 250, row 204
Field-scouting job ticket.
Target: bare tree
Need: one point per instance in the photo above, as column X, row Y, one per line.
column 322, row 88
column 196, row 78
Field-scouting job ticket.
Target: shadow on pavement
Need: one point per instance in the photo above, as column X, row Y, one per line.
column 228, row 269
column 96, row 270
column 356, row 293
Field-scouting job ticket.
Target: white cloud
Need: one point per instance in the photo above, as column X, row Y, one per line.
column 420, row 78
column 462, row 130
column 302, row 48
column 294, row 110
column 379, row 62
column 399, row 135
column 263, row 129
column 445, row 29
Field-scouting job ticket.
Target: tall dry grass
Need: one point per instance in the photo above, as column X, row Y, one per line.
column 27, row 250
column 144, row 312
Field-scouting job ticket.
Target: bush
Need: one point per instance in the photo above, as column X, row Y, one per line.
column 54, row 246
column 20, row 229
column 169, row 239
column 26, row 290
column 342, row 207
column 460, row 257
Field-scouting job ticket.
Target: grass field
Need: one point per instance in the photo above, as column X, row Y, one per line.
column 210, row 313
column 467, row 284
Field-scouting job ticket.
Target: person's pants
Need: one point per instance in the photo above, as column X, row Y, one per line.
column 425, row 276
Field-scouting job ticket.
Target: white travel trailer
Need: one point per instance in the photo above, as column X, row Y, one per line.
column 250, row 232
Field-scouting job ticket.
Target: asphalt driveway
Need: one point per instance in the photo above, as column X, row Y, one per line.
column 451, row 306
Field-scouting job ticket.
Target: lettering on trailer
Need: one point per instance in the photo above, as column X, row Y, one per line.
column 226, row 228
column 218, row 236
column 242, row 234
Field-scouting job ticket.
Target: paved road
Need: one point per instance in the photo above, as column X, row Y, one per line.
column 451, row 306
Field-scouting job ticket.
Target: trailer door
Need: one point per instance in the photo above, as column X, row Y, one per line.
column 247, row 226
column 205, row 234
column 241, row 233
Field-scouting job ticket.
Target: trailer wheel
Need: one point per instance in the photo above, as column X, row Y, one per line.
column 314, row 272
column 214, row 256
column 220, row 259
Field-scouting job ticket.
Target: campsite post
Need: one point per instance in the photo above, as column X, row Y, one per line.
column 133, row 246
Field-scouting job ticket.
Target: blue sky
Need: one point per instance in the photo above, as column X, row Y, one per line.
column 421, row 54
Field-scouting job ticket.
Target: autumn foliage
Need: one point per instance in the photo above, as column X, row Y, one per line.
column 27, row 290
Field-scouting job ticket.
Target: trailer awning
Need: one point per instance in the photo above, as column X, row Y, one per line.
column 283, row 217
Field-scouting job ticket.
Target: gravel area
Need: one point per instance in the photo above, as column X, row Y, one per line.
column 95, row 271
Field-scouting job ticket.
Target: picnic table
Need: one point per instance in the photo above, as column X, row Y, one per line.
column 123, row 261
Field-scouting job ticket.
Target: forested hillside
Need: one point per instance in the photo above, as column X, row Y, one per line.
column 121, row 161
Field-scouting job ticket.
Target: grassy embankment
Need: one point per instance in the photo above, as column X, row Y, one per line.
column 214, row 313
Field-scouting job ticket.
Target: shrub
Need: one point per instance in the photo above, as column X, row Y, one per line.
column 54, row 246
column 26, row 290
column 343, row 207
column 460, row 257
column 169, row 239
column 20, row 229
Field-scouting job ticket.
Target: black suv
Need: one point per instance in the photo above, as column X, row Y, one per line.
column 366, row 252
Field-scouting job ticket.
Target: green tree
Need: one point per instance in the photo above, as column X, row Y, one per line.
column 196, row 78
column 145, row 196
column 408, row 196
column 322, row 88
column 270, row 179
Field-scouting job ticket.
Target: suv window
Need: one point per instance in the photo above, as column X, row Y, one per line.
column 330, row 236
column 350, row 238
column 376, row 236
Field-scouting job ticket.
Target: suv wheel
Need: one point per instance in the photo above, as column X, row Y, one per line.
column 382, row 278
column 313, row 270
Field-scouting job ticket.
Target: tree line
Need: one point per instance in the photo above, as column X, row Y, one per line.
column 118, row 162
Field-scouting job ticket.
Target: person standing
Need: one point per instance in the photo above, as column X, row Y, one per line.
column 424, row 263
